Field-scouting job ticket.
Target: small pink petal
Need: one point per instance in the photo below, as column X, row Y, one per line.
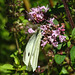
column 62, row 29
column 30, row 30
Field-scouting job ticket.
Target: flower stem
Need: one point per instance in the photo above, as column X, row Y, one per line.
column 68, row 14
column 17, row 44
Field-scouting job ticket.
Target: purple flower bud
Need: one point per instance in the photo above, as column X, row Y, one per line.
column 55, row 44
column 38, row 68
column 30, row 30
column 43, row 27
column 51, row 39
column 45, row 8
column 62, row 38
column 44, row 43
column 62, row 29
column 51, row 21
column 55, row 33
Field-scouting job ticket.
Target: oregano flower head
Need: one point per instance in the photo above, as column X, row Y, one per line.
column 38, row 13
column 52, row 32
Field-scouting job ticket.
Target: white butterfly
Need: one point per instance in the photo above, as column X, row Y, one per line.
column 31, row 53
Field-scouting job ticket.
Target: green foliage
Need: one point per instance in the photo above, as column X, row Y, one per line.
column 63, row 71
column 72, row 56
column 23, row 68
column 59, row 46
column 23, row 19
column 6, row 68
column 38, row 3
column 17, row 61
column 55, row 22
column 68, row 43
column 3, row 32
column 73, row 33
column 67, row 38
column 59, row 58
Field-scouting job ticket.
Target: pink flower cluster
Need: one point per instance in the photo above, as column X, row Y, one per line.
column 52, row 34
column 38, row 14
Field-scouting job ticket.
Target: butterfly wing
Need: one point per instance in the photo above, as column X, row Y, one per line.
column 31, row 53
column 28, row 50
column 35, row 51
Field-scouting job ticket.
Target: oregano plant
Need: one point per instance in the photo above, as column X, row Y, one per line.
column 41, row 39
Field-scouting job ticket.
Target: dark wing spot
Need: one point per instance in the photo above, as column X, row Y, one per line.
column 28, row 54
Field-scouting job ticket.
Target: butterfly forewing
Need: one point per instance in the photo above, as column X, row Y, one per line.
column 28, row 49
column 31, row 53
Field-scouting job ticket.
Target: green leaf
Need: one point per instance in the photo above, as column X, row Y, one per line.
column 67, row 38
column 72, row 56
column 61, row 6
column 26, row 73
column 16, row 52
column 21, row 18
column 69, row 67
column 17, row 61
column 68, row 43
column 59, row 46
column 4, row 70
column 23, row 68
column 42, row 74
column 55, row 22
column 64, row 44
column 25, row 21
column 70, row 35
column 73, row 33
column 7, row 66
column 64, row 71
column 21, row 9
column 59, row 58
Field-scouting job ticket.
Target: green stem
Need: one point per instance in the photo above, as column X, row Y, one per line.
column 49, row 70
column 17, row 44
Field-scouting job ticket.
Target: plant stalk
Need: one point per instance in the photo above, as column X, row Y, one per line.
column 17, row 43
column 68, row 14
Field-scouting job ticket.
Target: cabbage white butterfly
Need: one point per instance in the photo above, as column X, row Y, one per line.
column 31, row 53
